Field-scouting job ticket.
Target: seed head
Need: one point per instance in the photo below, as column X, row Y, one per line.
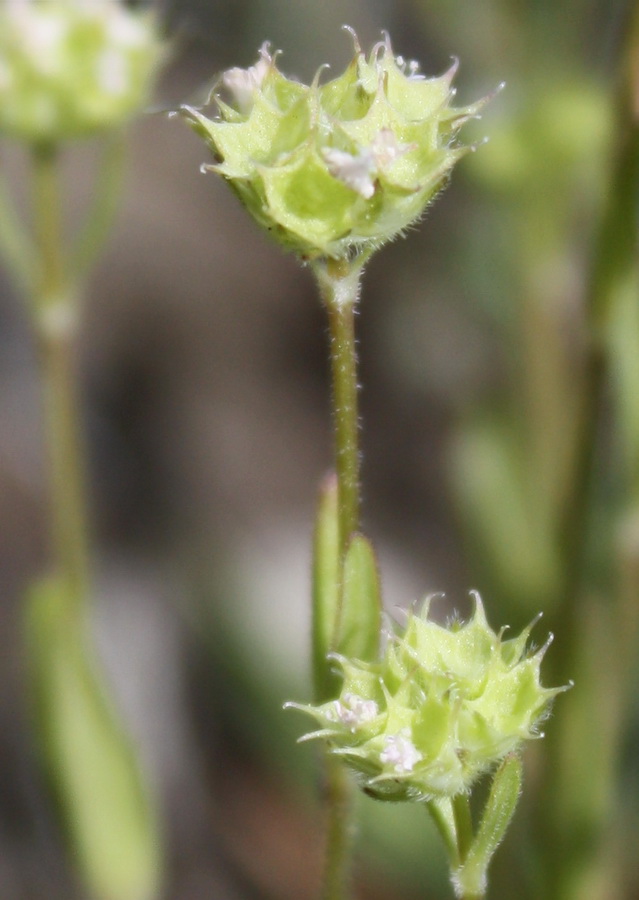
column 335, row 168
column 443, row 706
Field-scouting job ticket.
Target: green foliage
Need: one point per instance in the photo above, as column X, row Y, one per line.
column 110, row 823
column 69, row 69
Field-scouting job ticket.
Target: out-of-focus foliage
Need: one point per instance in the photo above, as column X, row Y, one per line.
column 70, row 69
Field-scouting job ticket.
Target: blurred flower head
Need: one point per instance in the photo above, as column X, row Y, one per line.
column 330, row 169
column 444, row 705
column 71, row 68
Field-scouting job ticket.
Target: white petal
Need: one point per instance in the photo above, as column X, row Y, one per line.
column 356, row 172
column 400, row 752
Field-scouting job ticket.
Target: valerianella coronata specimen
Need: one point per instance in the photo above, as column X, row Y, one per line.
column 335, row 168
column 73, row 68
column 443, row 706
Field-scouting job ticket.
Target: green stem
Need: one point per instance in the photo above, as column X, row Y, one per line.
column 340, row 831
column 463, row 825
column 465, row 835
column 453, row 819
column 55, row 316
column 572, row 821
column 15, row 244
column 615, row 255
column 103, row 207
column 338, row 283
column 441, row 812
column 339, row 287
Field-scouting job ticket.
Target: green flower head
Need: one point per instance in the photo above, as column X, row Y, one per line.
column 444, row 705
column 73, row 68
column 335, row 168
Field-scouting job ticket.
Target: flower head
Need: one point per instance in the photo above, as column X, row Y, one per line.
column 333, row 168
column 71, row 68
column 444, row 705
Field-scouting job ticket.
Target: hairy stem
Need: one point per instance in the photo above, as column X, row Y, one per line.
column 340, row 831
column 465, row 835
column 338, row 283
column 463, row 825
column 339, row 288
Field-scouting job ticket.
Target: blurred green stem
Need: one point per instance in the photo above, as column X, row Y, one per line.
column 15, row 244
column 463, row 825
column 106, row 196
column 615, row 253
column 464, row 833
column 55, row 318
column 577, row 801
column 340, row 796
column 441, row 812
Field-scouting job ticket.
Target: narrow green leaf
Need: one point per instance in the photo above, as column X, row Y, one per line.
column 325, row 590
column 471, row 878
column 109, row 822
column 360, row 614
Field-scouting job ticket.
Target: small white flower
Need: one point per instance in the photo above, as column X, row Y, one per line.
column 357, row 172
column 400, row 752
column 112, row 72
column 353, row 711
column 386, row 149
column 124, row 30
column 360, row 171
column 243, row 83
column 43, row 33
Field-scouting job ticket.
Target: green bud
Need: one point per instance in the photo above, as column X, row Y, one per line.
column 336, row 168
column 69, row 69
column 444, row 705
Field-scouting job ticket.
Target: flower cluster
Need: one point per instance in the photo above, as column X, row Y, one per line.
column 70, row 68
column 443, row 706
column 333, row 168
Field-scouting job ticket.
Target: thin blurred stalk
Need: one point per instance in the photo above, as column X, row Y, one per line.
column 107, row 194
column 615, row 255
column 577, row 797
column 16, row 246
column 105, row 808
column 55, row 318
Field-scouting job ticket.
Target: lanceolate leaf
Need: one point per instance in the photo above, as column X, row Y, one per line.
column 360, row 611
column 108, row 819
column 346, row 597
column 325, row 591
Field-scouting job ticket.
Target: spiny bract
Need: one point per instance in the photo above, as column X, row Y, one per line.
column 330, row 169
column 443, row 706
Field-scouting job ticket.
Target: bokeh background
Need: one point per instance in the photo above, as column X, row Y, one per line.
column 205, row 392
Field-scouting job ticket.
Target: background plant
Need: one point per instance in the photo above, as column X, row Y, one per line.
column 197, row 336
column 70, row 71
